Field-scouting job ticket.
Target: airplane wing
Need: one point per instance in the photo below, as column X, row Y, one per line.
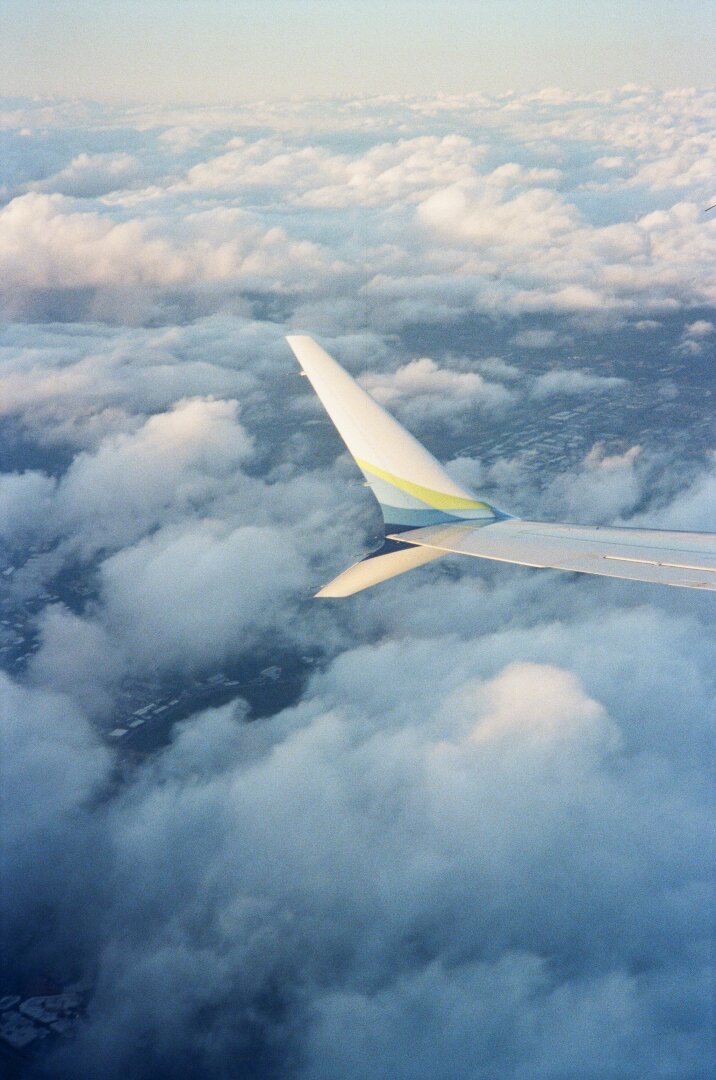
column 684, row 559
column 428, row 515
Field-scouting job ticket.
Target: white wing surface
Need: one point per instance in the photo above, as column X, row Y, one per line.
column 412, row 488
column 684, row 559
column 375, row 438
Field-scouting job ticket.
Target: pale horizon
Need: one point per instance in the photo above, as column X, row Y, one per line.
column 215, row 52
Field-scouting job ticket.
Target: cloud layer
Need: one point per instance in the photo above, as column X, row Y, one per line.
column 452, row 828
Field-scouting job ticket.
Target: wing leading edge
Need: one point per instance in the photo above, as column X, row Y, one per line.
column 427, row 515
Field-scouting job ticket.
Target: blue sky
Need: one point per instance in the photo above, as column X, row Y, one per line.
column 217, row 50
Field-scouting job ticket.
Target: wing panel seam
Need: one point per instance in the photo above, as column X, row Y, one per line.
column 654, row 562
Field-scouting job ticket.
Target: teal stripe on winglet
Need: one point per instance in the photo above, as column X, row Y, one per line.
column 418, row 519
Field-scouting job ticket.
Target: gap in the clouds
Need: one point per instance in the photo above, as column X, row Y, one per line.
column 611, row 205
column 20, row 450
column 268, row 675
column 263, row 684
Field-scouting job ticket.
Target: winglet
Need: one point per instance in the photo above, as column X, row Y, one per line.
column 411, row 486
column 378, row 567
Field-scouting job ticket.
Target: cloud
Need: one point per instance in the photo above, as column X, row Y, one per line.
column 78, row 659
column 46, row 244
column 452, row 858
column 76, row 385
column 478, row 215
column 167, row 469
column 691, row 505
column 90, row 175
column 547, row 257
column 691, row 165
column 171, row 466
column 699, row 328
column 574, row 382
column 58, row 767
column 186, row 596
column 694, row 335
column 605, row 488
column 498, row 1011
column 420, row 391
column 536, row 339
column 540, row 705
column 312, row 176
column 25, row 503
column 245, row 199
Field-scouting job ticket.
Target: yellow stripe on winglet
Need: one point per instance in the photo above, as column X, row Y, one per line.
column 436, row 499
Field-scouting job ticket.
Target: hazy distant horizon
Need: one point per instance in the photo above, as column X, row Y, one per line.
column 206, row 51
